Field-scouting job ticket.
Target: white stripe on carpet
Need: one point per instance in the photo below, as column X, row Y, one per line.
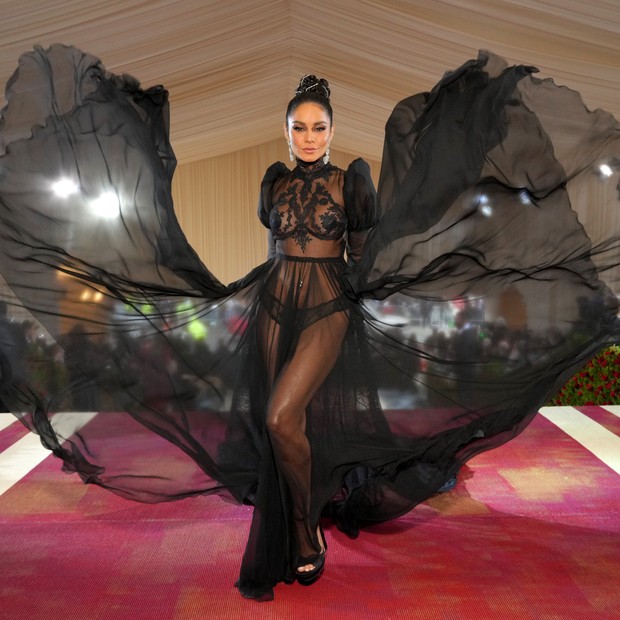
column 615, row 409
column 591, row 435
column 24, row 455
column 6, row 419
column 20, row 458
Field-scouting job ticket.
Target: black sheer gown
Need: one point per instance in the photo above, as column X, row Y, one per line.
column 409, row 333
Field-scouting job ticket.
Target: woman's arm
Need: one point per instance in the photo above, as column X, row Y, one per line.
column 360, row 203
column 271, row 246
column 273, row 173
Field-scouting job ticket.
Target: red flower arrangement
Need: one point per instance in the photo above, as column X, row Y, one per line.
column 597, row 383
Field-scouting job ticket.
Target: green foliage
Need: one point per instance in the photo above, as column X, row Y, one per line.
column 597, row 383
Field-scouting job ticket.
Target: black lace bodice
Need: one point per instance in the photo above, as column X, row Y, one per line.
column 317, row 201
column 308, row 203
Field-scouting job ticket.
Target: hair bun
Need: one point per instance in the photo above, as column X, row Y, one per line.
column 311, row 83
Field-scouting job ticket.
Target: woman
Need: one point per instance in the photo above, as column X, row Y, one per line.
column 304, row 313
column 320, row 403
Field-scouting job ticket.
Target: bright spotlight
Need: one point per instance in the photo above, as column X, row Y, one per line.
column 107, row 205
column 606, row 170
column 65, row 187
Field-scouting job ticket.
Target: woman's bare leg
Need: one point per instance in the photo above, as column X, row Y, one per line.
column 315, row 354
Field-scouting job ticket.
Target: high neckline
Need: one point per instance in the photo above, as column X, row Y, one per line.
column 309, row 167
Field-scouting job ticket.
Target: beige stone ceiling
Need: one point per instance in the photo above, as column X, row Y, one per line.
column 231, row 65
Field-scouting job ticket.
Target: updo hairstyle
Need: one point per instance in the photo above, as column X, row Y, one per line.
column 311, row 89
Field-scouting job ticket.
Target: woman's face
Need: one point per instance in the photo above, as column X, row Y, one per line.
column 309, row 131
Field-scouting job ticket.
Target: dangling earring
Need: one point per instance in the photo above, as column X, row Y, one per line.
column 326, row 156
column 290, row 152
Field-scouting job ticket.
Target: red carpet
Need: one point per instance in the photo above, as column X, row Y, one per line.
column 532, row 530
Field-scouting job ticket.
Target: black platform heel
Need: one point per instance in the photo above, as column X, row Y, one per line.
column 317, row 559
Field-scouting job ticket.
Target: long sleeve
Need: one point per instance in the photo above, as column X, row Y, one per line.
column 271, row 246
column 273, row 173
column 360, row 203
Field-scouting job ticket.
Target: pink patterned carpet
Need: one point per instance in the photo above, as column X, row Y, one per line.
column 532, row 531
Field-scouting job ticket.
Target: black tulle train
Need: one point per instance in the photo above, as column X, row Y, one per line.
column 490, row 276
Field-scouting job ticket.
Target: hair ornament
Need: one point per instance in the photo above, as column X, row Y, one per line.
column 310, row 83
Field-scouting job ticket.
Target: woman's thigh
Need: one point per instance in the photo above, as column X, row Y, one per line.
column 315, row 354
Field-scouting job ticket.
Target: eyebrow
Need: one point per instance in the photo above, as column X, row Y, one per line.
column 295, row 122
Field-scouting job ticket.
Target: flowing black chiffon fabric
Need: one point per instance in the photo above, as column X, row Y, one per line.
column 490, row 277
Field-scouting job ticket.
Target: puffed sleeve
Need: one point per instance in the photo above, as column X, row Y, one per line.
column 274, row 172
column 360, row 200
column 265, row 202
